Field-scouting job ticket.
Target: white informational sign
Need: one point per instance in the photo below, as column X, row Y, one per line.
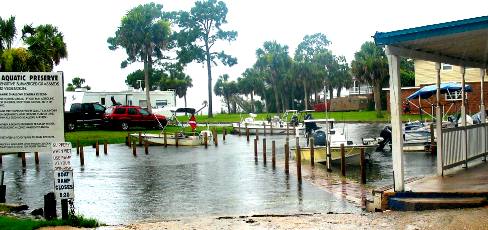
column 61, row 154
column 64, row 186
column 31, row 111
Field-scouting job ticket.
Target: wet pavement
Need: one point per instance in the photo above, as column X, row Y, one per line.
column 172, row 182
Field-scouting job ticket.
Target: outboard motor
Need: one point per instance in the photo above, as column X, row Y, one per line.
column 294, row 120
column 386, row 135
column 310, row 126
column 320, row 138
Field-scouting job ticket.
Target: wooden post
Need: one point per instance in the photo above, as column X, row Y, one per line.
column 343, row 161
column 363, row 167
column 312, row 151
column 24, row 163
column 257, row 134
column 205, row 139
column 176, row 139
column 97, row 149
column 134, row 150
column 287, row 159
column 273, row 154
column 216, row 137
column 224, row 133
column 50, row 205
column 264, row 150
column 247, row 133
column 105, row 147
column 239, row 131
column 256, row 149
column 3, row 188
column 64, row 209
column 299, row 164
column 1, row 160
column 82, row 156
column 146, row 147
column 129, row 142
column 294, row 130
column 271, row 128
column 36, row 157
column 140, row 138
column 166, row 140
column 287, row 130
column 264, row 125
column 77, row 147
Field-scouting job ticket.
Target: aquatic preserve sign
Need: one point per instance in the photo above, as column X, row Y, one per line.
column 64, row 187
column 31, row 111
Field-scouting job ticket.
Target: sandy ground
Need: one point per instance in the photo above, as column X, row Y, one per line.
column 440, row 219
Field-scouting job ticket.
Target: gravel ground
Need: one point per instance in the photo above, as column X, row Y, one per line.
column 476, row 218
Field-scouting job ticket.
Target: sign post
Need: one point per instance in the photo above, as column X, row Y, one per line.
column 64, row 187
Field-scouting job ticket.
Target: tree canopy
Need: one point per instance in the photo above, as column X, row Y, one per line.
column 145, row 35
column 200, row 29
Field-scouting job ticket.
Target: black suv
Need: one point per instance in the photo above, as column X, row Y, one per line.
column 83, row 114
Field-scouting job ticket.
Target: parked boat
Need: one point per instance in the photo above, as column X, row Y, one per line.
column 179, row 138
column 274, row 125
column 336, row 139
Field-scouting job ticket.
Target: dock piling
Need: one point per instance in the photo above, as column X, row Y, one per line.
column 177, row 137
column 299, row 164
column 264, row 130
column 273, row 154
column 146, row 147
column 82, row 156
column 247, row 133
column 140, row 138
column 77, row 147
column 257, row 135
column 24, row 163
column 256, row 149
column 312, row 151
column 287, row 130
column 363, row 167
column 97, row 149
column 134, row 149
column 343, row 161
column 205, row 139
column 287, row 159
column 105, row 147
column 239, row 130
column 264, row 151
column 36, row 156
column 224, row 133
column 166, row 139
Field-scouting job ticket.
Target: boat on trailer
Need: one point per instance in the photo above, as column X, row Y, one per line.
column 179, row 138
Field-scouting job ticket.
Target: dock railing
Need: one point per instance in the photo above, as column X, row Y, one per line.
column 455, row 152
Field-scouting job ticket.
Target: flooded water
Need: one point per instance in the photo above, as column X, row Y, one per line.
column 175, row 182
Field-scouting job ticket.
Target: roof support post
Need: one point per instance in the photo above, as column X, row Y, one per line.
column 463, row 116
column 482, row 99
column 396, row 123
column 438, row 119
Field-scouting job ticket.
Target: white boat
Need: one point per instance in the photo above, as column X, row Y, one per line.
column 274, row 125
column 336, row 139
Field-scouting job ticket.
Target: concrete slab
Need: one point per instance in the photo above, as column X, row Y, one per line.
column 471, row 180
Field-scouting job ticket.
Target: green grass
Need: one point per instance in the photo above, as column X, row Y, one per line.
column 12, row 223
column 90, row 137
column 351, row 116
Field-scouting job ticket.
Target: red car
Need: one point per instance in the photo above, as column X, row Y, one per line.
column 123, row 117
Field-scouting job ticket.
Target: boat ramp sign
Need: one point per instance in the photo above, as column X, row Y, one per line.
column 63, row 172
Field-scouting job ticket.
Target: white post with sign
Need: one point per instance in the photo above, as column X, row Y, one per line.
column 63, row 172
column 64, row 186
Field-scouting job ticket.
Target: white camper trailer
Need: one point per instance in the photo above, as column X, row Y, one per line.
column 159, row 99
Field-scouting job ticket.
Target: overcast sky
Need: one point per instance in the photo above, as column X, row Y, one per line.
column 86, row 25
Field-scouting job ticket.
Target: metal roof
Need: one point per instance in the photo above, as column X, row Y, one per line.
column 463, row 42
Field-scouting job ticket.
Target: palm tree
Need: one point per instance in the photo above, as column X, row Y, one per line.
column 7, row 32
column 273, row 58
column 46, row 44
column 370, row 65
column 145, row 35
